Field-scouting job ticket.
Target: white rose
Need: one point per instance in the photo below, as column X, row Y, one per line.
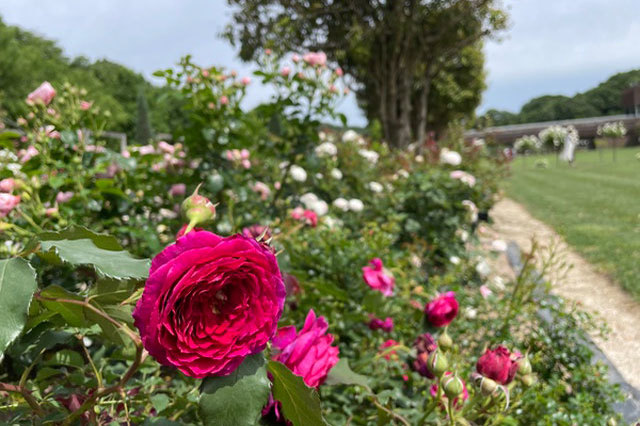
column 298, row 173
column 371, row 156
column 341, row 204
column 483, row 268
column 455, row 260
column 336, row 174
column 499, row 245
column 326, row 149
column 375, row 186
column 356, row 205
column 320, row 207
column 350, row 136
column 308, row 199
column 450, row 157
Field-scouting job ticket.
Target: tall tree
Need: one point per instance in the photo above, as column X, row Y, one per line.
column 393, row 49
column 143, row 127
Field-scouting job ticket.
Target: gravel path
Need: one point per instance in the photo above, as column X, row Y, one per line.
column 583, row 284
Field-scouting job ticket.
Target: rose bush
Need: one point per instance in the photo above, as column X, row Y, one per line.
column 375, row 241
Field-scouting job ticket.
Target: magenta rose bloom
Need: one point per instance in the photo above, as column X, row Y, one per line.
column 498, row 365
column 378, row 324
column 442, row 310
column 308, row 353
column 378, row 278
column 209, row 302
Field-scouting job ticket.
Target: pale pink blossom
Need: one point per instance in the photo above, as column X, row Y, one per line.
column 463, row 176
column 295, row 58
column 285, row 71
column 44, row 93
column 85, row 105
column 178, row 190
column 27, row 154
column 246, row 81
column 262, row 189
column 64, row 197
column 315, row 58
column 7, row 203
column 166, row 147
column 146, row 149
column 224, row 100
column 485, row 291
column 7, row 185
column 51, row 211
column 339, row 72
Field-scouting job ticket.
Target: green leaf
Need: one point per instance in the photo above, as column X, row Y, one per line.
column 66, row 357
column 341, row 374
column 73, row 314
column 300, row 403
column 17, row 285
column 236, row 399
column 100, row 251
column 103, row 241
column 160, row 401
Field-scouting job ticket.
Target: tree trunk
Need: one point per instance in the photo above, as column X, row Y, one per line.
column 423, row 110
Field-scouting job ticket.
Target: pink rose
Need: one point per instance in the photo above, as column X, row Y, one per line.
column 285, row 71
column 51, row 211
column 378, row 277
column 246, row 164
column 307, row 353
column 63, row 197
column 245, row 81
column 339, row 72
column 7, row 203
column 463, row 176
column 146, row 150
column 378, row 324
column 384, row 349
column 178, row 190
column 307, row 216
column 315, row 58
column 244, row 154
column 456, row 401
column 7, row 185
column 485, row 291
column 262, row 189
column 27, row 154
column 442, row 310
column 224, row 100
column 267, row 52
column 209, row 302
column 85, row 105
column 295, row 58
column 498, row 365
column 44, row 93
column 166, row 147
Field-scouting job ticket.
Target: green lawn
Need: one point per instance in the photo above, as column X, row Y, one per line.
column 595, row 206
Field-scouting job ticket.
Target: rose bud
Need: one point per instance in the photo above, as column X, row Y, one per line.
column 445, row 341
column 524, row 366
column 527, row 380
column 198, row 209
column 442, row 310
column 437, row 363
column 453, row 386
column 498, row 364
column 488, row 386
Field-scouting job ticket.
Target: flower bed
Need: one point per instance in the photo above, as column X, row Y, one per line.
column 311, row 276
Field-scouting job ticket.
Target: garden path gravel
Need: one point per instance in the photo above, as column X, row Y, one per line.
column 583, row 284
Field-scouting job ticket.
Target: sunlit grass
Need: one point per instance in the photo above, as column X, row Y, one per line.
column 594, row 205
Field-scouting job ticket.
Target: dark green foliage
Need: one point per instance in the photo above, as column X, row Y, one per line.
column 602, row 100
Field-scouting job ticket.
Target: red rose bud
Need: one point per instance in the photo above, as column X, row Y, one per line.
column 498, row 364
column 198, row 209
column 445, row 341
column 442, row 310
column 453, row 386
column 437, row 363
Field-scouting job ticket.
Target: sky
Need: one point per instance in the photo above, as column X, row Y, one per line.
column 551, row 46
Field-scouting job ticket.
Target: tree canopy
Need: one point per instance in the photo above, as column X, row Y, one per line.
column 397, row 52
column 602, row 100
